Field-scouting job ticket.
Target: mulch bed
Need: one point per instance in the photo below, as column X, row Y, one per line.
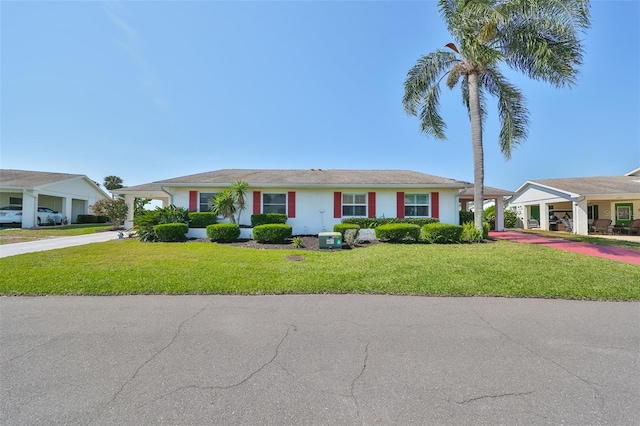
column 311, row 243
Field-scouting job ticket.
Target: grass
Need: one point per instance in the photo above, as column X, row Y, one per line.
column 19, row 235
column 495, row 269
column 590, row 239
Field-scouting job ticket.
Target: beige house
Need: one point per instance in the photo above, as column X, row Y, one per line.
column 69, row 194
column 579, row 201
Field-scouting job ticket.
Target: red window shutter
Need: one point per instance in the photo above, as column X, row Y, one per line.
column 400, row 205
column 337, row 205
column 291, row 204
column 256, row 202
column 193, row 201
column 435, row 204
column 372, row 204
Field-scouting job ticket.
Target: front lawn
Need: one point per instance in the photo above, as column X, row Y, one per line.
column 19, row 235
column 494, row 269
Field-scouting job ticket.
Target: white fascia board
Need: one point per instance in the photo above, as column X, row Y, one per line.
column 309, row 185
column 15, row 188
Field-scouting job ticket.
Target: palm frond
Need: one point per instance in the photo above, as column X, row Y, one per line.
column 421, row 90
column 514, row 116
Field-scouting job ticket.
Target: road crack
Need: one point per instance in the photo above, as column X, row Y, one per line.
column 353, row 382
column 502, row 395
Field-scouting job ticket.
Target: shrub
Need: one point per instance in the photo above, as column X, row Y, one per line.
column 102, row 219
column 87, row 218
column 342, row 227
column 148, row 218
column 441, row 233
column 485, row 230
column 510, row 217
column 201, row 219
column 466, row 217
column 173, row 214
column 367, row 222
column 470, row 233
column 272, row 233
column 223, row 232
column 171, row 232
column 398, row 232
column 297, row 242
column 268, row 218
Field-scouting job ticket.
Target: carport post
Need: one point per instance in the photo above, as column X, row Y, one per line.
column 29, row 209
column 130, row 202
column 499, row 225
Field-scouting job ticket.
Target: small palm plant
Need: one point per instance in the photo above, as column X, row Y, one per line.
column 224, row 204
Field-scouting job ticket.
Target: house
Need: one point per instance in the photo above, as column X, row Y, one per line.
column 69, row 194
column 579, row 200
column 316, row 199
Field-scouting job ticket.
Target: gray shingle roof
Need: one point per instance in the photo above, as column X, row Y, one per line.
column 603, row 185
column 488, row 191
column 319, row 177
column 28, row 179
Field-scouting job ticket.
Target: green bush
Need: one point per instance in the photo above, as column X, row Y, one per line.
column 87, row 218
column 342, row 227
column 201, row 219
column 441, row 233
column 368, row 223
column 146, row 219
column 102, row 219
column 268, row 218
column 485, row 230
column 470, row 233
column 466, row 217
column 272, row 233
column 171, row 232
column 223, row 232
column 398, row 232
column 510, row 217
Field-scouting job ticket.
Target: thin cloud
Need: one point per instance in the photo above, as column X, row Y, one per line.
column 132, row 45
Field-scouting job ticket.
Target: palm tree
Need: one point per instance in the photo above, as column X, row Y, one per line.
column 224, row 205
column 536, row 37
column 112, row 182
column 239, row 189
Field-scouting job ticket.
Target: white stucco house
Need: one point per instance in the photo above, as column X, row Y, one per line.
column 314, row 200
column 69, row 194
column 582, row 200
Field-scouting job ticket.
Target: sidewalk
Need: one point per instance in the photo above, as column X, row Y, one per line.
column 607, row 252
column 7, row 250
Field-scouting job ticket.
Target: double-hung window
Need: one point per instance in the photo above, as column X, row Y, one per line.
column 416, row 205
column 274, row 203
column 354, row 205
column 206, row 201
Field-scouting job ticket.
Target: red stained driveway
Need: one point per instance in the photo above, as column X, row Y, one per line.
column 607, row 252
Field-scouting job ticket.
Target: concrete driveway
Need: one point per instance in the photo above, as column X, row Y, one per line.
column 56, row 243
column 317, row 359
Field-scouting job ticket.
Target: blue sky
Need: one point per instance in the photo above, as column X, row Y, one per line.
column 150, row 90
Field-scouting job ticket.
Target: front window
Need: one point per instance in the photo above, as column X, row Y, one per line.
column 206, row 201
column 354, row 204
column 274, row 203
column 416, row 205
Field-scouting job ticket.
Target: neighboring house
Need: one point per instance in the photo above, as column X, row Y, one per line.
column 492, row 197
column 69, row 194
column 580, row 200
column 314, row 200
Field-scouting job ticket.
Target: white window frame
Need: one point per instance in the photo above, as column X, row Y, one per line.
column 416, row 205
column 284, row 205
column 353, row 204
column 208, row 203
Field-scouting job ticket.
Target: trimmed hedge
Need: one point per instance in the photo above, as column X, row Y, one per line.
column 441, row 233
column 272, row 233
column 223, row 232
column 398, row 233
column 367, row 222
column 342, row 228
column 87, row 218
column 466, row 217
column 171, row 232
column 201, row 219
column 267, row 218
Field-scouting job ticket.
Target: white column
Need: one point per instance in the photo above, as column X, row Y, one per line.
column 130, row 201
column 499, row 214
column 580, row 217
column 544, row 216
column 67, row 209
column 29, row 209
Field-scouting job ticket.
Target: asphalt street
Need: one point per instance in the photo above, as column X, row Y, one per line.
column 317, row 359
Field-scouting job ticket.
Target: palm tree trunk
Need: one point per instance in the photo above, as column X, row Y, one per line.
column 476, row 145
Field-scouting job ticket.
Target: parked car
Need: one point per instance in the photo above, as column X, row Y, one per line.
column 13, row 215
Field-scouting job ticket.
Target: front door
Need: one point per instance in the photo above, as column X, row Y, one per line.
column 624, row 213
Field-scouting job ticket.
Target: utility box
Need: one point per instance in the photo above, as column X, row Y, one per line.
column 330, row 240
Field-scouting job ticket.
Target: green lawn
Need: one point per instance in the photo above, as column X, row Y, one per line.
column 19, row 235
column 494, row 269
